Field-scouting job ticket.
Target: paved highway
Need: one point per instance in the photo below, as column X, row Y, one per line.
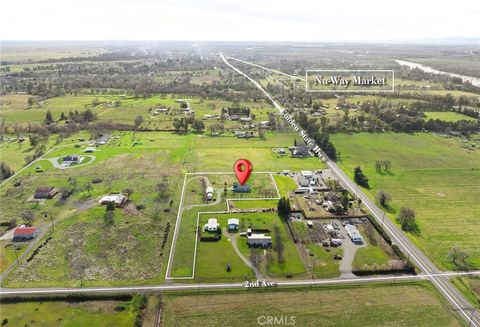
column 442, row 283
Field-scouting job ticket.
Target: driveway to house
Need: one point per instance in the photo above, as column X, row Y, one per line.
column 349, row 250
column 233, row 241
column 58, row 165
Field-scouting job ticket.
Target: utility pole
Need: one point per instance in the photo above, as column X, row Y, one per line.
column 16, row 255
column 471, row 317
column 45, row 215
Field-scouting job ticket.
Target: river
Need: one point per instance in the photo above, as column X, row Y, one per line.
column 474, row 80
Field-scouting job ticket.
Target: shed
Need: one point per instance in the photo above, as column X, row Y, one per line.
column 237, row 188
column 45, row 192
column 209, row 193
column 233, row 224
column 259, row 240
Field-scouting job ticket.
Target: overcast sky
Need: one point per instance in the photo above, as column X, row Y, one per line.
column 238, row 20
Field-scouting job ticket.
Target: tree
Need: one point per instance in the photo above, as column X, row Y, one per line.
column 261, row 135
column 88, row 115
column 283, row 206
column 62, row 116
column 360, row 177
column 5, row 171
column 110, row 206
column 48, row 118
column 198, row 125
column 383, row 198
column 109, row 218
column 180, row 125
column 34, row 139
column 28, row 216
column 138, row 121
column 459, row 258
column 64, row 192
column 406, row 218
column 127, row 191
column 162, row 190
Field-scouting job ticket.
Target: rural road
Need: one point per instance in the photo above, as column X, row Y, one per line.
column 211, row 286
column 442, row 283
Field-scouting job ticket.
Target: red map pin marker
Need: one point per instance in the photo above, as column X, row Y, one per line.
column 242, row 169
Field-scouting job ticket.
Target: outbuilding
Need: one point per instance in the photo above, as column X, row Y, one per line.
column 353, row 233
column 259, row 240
column 307, row 174
column 25, row 233
column 209, row 193
column 237, row 188
column 233, row 224
column 45, row 192
column 117, row 199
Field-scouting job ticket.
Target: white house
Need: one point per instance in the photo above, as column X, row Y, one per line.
column 233, row 224
column 209, row 193
column 353, row 233
column 212, row 225
column 259, row 240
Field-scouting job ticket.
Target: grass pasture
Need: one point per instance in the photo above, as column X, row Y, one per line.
column 63, row 313
column 435, row 176
column 449, row 116
column 403, row 305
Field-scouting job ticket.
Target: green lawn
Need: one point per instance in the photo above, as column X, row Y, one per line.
column 59, row 313
column 416, row 305
column 447, row 116
column 470, row 287
column 436, row 176
column 291, row 264
column 285, row 184
column 7, row 254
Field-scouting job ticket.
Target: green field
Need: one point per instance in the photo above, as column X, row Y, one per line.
column 73, row 313
column 436, row 176
column 369, row 305
column 447, row 116
column 124, row 108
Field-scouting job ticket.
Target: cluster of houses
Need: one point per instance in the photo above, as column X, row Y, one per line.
column 233, row 225
column 213, row 226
